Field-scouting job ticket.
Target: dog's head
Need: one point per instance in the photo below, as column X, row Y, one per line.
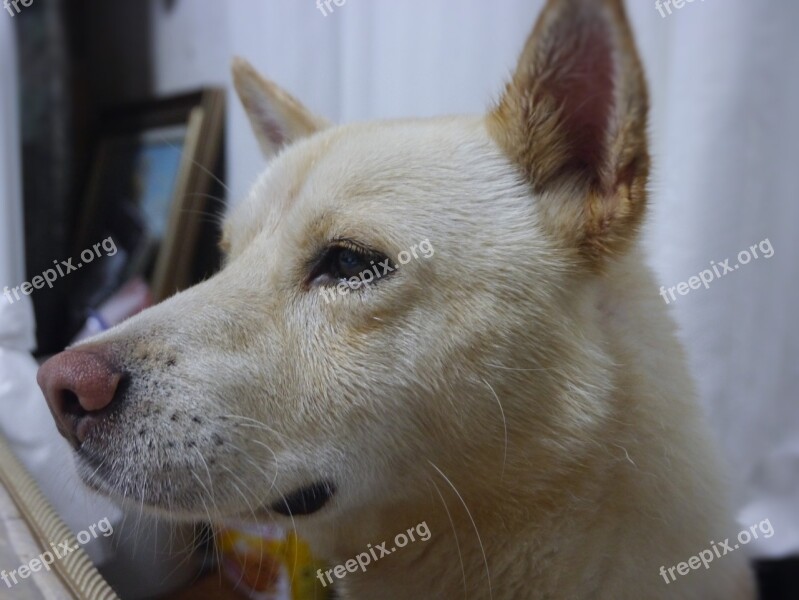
column 398, row 297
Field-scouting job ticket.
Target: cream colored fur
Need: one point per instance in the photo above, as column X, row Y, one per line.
column 526, row 399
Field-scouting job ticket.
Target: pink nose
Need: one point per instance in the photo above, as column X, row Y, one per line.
column 78, row 385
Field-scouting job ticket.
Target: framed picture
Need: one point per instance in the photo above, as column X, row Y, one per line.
column 149, row 190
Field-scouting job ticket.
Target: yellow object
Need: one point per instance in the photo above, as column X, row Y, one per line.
column 270, row 564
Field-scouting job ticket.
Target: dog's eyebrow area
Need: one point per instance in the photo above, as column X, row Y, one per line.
column 334, row 227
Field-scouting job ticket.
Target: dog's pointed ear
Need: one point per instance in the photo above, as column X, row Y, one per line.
column 277, row 118
column 574, row 119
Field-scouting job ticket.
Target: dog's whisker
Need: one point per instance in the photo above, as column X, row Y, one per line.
column 217, row 552
column 455, row 533
column 169, row 505
column 216, row 220
column 208, row 472
column 504, row 425
column 258, row 467
column 200, row 481
column 195, row 542
column 254, row 518
column 474, row 525
column 296, row 536
column 261, row 470
column 250, row 422
column 199, row 166
column 211, row 499
column 137, row 526
column 252, row 510
column 241, row 493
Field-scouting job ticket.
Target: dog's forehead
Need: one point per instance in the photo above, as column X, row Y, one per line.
column 360, row 169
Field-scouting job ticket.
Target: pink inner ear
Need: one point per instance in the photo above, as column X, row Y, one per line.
column 581, row 80
column 264, row 120
column 271, row 129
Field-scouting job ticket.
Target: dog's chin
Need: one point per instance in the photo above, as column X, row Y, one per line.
column 301, row 502
column 173, row 498
column 155, row 506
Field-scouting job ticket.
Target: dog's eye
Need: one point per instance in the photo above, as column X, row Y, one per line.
column 341, row 263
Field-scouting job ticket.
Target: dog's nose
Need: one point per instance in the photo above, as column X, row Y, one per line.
column 78, row 385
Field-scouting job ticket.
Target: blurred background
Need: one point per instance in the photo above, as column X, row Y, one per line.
column 105, row 99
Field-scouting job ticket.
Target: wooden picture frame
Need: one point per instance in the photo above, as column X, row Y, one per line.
column 150, row 183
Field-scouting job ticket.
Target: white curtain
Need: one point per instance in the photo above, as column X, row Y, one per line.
column 727, row 133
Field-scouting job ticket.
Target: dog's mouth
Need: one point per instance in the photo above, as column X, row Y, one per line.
column 305, row 501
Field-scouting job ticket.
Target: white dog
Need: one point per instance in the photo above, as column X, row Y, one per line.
column 520, row 391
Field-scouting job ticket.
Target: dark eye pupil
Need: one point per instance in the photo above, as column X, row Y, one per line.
column 349, row 263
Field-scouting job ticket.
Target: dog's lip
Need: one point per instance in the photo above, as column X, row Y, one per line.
column 306, row 500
